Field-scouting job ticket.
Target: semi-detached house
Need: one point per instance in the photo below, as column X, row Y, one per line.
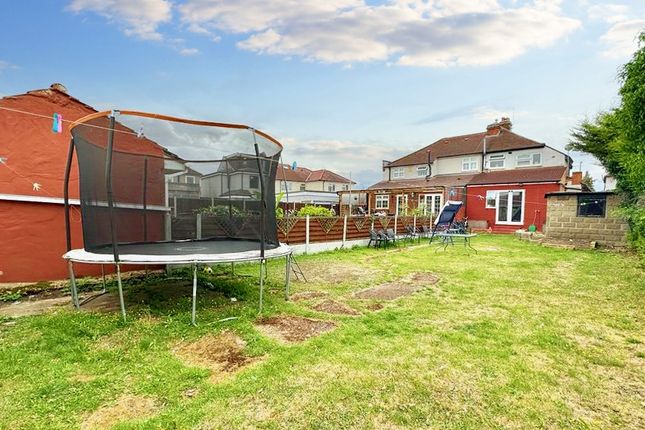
column 500, row 176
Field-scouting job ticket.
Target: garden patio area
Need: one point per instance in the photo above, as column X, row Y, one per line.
column 515, row 336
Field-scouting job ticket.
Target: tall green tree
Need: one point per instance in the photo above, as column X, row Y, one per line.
column 617, row 139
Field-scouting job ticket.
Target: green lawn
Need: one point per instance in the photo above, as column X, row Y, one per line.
column 517, row 336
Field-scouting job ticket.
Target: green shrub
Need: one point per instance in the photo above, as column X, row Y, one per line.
column 221, row 210
column 315, row 211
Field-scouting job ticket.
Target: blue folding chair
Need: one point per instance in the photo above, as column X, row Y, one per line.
column 444, row 227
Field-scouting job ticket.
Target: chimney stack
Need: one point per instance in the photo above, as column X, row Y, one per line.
column 494, row 128
column 59, row 87
column 576, row 178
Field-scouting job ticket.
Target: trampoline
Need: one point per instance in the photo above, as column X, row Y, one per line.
column 159, row 190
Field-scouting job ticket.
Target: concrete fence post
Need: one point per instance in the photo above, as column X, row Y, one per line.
column 306, row 234
column 168, row 225
column 198, row 229
column 344, row 230
column 414, row 222
column 396, row 221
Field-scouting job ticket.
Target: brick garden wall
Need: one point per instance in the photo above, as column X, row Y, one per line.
column 563, row 223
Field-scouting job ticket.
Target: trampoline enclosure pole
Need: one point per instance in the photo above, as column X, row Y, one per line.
column 262, row 196
column 108, row 186
column 194, row 293
column 118, row 280
column 68, row 169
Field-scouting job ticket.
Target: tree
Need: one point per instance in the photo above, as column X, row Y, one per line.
column 617, row 139
column 587, row 181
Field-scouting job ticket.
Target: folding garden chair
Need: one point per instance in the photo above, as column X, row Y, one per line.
column 375, row 239
column 445, row 228
column 390, row 236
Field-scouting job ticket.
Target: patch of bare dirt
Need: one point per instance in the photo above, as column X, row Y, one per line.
column 307, row 295
column 100, row 302
column 375, row 306
column 190, row 393
column 293, row 329
column 337, row 272
column 333, row 307
column 127, row 407
column 32, row 307
column 82, row 378
column 399, row 288
column 222, row 354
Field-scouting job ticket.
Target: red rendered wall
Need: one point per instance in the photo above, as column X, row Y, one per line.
column 534, row 201
column 33, row 242
column 33, row 234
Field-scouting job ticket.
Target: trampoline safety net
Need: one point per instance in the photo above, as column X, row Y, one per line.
column 160, row 185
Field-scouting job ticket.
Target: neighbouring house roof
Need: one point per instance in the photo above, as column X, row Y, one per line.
column 285, row 173
column 327, row 175
column 466, row 144
column 541, row 174
column 302, row 174
column 436, row 181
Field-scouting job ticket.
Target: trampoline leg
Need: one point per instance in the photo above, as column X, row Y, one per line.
column 103, row 276
column 261, row 283
column 287, row 276
column 194, row 293
column 120, row 285
column 72, row 281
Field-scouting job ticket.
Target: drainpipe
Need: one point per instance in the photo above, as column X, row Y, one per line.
column 484, row 153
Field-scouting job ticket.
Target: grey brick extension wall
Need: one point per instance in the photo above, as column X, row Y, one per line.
column 563, row 224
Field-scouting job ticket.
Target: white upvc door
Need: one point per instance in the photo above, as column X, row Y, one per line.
column 510, row 207
column 402, row 204
column 431, row 203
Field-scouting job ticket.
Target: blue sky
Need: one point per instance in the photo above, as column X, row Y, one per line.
column 342, row 83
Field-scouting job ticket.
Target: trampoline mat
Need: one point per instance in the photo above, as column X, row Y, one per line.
column 187, row 248
column 213, row 251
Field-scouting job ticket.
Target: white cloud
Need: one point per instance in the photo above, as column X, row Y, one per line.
column 608, row 12
column 621, row 39
column 406, row 32
column 186, row 52
column 138, row 18
column 361, row 160
column 5, row 65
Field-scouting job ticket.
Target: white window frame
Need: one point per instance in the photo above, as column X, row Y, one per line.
column 191, row 177
column 496, row 157
column 429, row 209
column 491, row 195
column 422, row 171
column 398, row 172
column 509, row 212
column 331, row 188
column 345, row 187
column 382, row 198
column 530, row 159
column 469, row 164
column 303, row 187
column 405, row 200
